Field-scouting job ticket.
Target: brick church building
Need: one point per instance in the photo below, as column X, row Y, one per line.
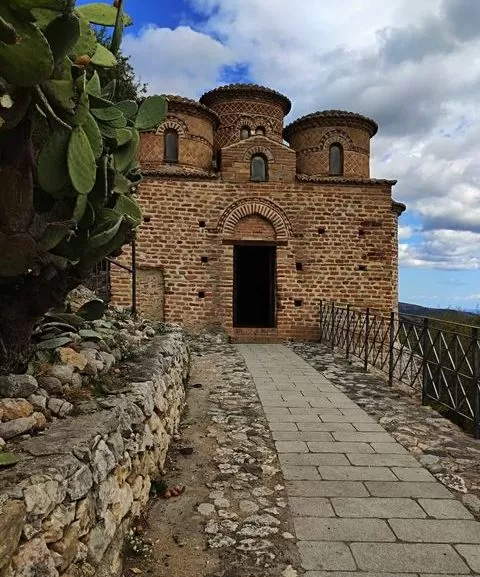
column 248, row 224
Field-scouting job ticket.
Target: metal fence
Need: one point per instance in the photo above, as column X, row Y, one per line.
column 436, row 357
column 99, row 279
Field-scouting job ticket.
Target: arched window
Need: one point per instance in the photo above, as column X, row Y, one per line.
column 171, row 145
column 260, row 131
column 245, row 132
column 259, row 168
column 336, row 160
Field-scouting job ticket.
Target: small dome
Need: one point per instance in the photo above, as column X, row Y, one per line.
column 246, row 91
column 332, row 117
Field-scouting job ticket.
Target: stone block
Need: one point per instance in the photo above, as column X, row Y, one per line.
column 312, row 459
column 326, row 489
column 471, row 554
column 339, row 447
column 377, row 507
column 311, row 507
column 356, row 473
column 445, row 509
column 391, row 448
column 406, row 489
column 387, row 460
column 436, row 531
column 11, row 409
column 328, row 427
column 17, row 386
column 291, row 447
column 367, row 437
column 302, row 436
column 300, row 473
column 12, row 519
column 416, row 475
column 327, row 556
column 408, row 557
column 318, row 529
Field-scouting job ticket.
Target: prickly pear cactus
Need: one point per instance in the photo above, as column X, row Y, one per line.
column 82, row 204
column 71, row 203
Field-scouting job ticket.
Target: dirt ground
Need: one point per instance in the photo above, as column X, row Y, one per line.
column 224, row 457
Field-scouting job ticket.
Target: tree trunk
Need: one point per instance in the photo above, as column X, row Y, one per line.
column 21, row 307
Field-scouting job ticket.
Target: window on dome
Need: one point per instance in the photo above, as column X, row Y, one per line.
column 171, row 146
column 245, row 132
column 260, row 131
column 336, row 160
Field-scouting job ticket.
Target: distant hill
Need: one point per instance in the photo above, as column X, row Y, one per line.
column 452, row 315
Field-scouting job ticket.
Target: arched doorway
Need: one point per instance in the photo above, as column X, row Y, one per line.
column 254, row 273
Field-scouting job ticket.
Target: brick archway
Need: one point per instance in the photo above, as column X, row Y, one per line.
column 334, row 136
column 255, row 206
column 173, row 123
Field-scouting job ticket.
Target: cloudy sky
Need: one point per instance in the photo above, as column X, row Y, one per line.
column 413, row 65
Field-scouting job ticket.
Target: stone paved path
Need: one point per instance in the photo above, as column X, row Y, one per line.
column 360, row 501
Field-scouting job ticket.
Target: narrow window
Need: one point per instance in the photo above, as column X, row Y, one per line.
column 336, row 160
column 259, row 168
column 171, row 146
column 245, row 132
column 260, row 131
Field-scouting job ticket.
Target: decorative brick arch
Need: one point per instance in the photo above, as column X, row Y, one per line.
column 336, row 136
column 258, row 206
column 173, row 123
column 258, row 150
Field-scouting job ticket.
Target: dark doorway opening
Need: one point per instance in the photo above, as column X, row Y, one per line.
column 254, row 273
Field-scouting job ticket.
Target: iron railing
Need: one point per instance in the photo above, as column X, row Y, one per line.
column 438, row 358
column 99, row 280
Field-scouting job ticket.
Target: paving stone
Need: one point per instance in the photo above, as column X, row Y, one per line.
column 291, row 447
column 338, row 447
column 328, row 556
column 471, row 554
column 326, row 489
column 280, row 403
column 300, row 473
column 417, row 475
column 406, row 489
column 315, row 528
column 301, row 436
column 313, row 459
column 293, row 418
column 436, row 531
column 390, row 448
column 356, row 473
column 283, row 426
column 311, row 507
column 377, row 507
column 319, row 426
column 314, row 411
column 409, row 557
column 445, row 509
column 368, row 437
column 383, row 460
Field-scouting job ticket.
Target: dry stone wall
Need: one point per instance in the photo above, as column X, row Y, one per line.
column 66, row 506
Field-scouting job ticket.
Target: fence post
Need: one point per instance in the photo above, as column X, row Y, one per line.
column 134, row 277
column 424, row 360
column 347, row 336
column 333, row 326
column 391, row 341
column 476, row 382
column 321, row 320
column 367, row 334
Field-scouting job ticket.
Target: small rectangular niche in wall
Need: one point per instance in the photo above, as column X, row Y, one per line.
column 201, row 294
column 298, row 302
column 202, row 224
column 299, row 266
column 147, row 219
column 204, row 259
column 361, row 232
column 362, row 267
column 322, row 230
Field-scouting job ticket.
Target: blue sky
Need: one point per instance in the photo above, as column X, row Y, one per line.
column 400, row 62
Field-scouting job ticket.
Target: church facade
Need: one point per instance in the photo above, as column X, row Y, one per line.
column 249, row 224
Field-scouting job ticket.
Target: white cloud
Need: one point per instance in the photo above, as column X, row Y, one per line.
column 181, row 61
column 444, row 249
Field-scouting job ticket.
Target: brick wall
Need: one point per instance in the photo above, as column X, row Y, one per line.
column 342, row 234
